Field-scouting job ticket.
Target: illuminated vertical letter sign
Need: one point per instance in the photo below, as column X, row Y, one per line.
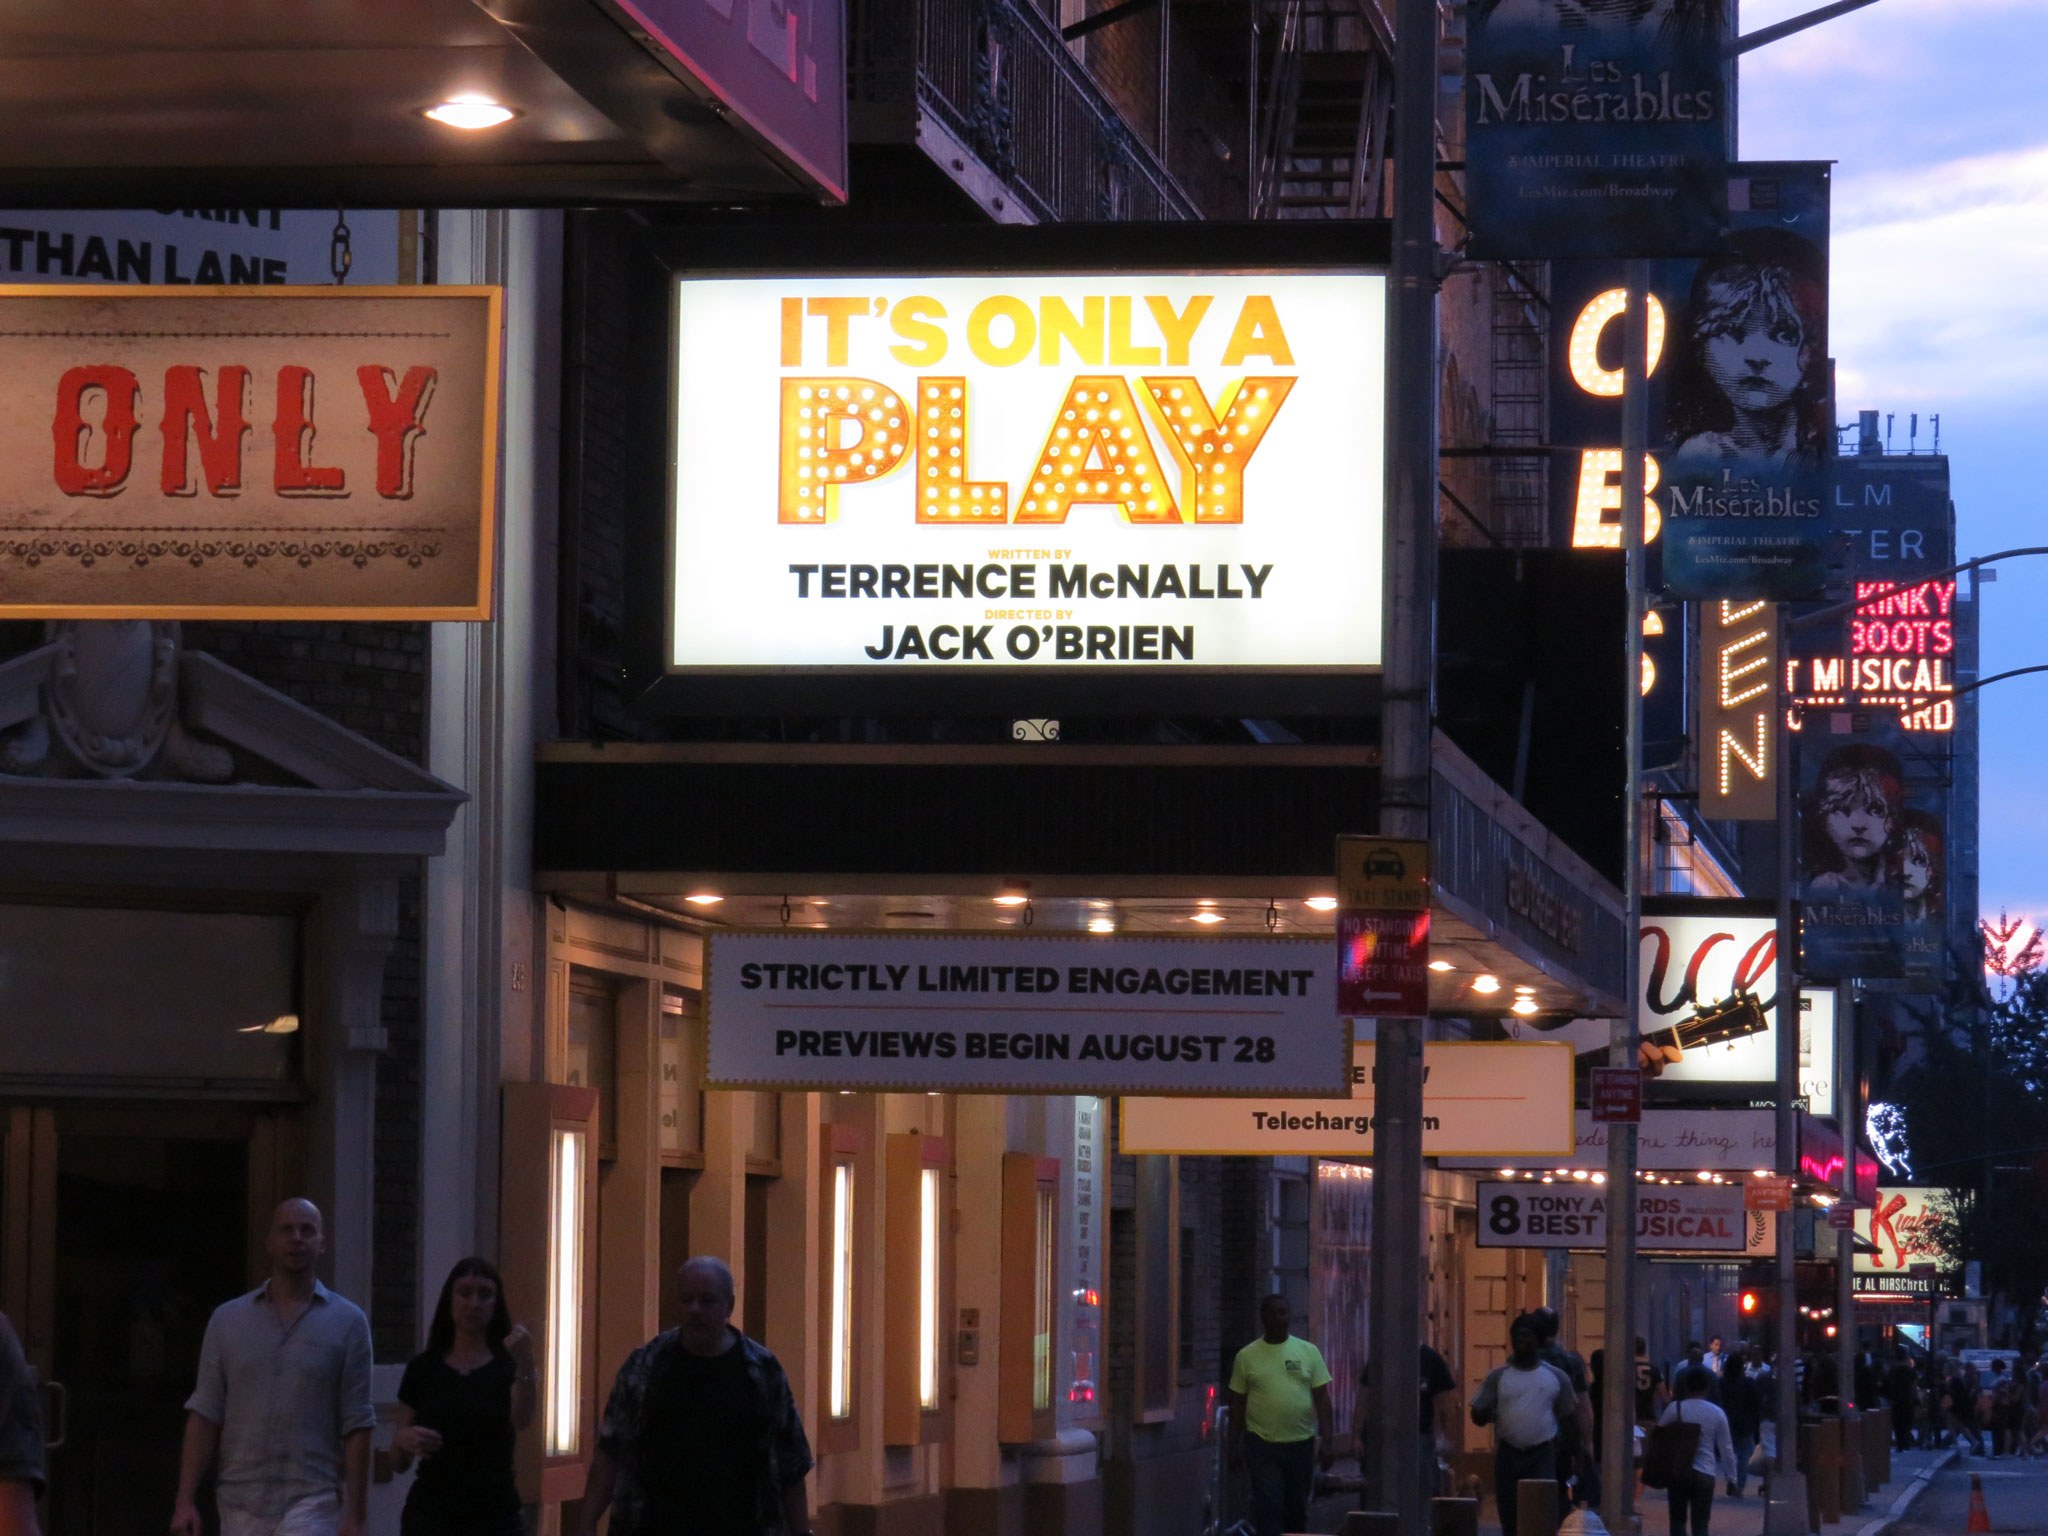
column 1738, row 661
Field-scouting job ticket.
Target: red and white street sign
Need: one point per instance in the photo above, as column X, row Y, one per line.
column 1618, row 1095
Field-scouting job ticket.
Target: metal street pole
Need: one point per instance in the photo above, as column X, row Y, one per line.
column 1617, row 1391
column 1848, row 1108
column 1785, row 1512
column 1394, row 1306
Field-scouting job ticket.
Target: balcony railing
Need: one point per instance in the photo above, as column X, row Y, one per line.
column 997, row 76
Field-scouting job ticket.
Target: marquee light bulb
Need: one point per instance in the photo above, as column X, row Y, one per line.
column 1487, row 984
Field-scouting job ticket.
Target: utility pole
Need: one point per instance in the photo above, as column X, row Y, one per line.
column 1785, row 1511
column 1407, row 713
column 1617, row 1391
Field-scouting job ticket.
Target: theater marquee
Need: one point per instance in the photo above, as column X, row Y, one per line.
column 183, row 452
column 1105, row 473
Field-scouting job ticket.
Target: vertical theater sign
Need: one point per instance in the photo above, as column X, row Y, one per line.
column 247, row 453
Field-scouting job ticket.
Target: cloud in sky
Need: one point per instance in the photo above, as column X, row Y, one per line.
column 1931, row 112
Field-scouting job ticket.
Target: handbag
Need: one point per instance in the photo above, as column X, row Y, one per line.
column 1668, row 1452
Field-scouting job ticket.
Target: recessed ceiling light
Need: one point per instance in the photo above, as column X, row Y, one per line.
column 1321, row 903
column 703, row 899
column 1524, row 990
column 1208, row 917
column 1485, row 983
column 1523, row 1005
column 1102, row 925
column 1012, row 901
column 1441, row 965
column 470, row 113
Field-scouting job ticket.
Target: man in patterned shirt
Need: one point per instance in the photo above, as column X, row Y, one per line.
column 701, row 1433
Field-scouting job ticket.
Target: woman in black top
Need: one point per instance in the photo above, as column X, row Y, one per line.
column 462, row 1403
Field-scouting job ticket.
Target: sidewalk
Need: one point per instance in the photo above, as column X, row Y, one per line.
column 1732, row 1517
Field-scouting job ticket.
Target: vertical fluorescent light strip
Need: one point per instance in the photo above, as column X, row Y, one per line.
column 928, row 1288
column 1041, row 1310
column 565, row 1295
column 841, row 1342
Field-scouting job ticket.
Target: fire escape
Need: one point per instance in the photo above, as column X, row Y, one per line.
column 1322, row 92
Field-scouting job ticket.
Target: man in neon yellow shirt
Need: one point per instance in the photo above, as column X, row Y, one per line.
column 1279, row 1403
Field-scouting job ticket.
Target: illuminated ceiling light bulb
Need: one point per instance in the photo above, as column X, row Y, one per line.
column 1704, row 1177
column 1102, row 925
column 1012, row 901
column 1507, row 1173
column 1759, row 1173
column 1599, row 1178
column 1208, row 917
column 1524, row 1006
column 1580, row 1175
column 1441, row 965
column 703, row 899
column 1487, row 984
column 470, row 113
column 1321, row 903
column 1523, row 989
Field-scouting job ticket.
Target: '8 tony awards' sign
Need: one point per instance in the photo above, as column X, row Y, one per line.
column 1027, row 470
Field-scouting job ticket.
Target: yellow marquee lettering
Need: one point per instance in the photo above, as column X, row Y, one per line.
column 1058, row 326
column 1122, row 353
column 1258, row 334
column 944, row 493
column 1098, row 451
column 924, row 343
column 1600, row 495
column 1178, row 329
column 1214, row 448
column 835, row 431
column 980, row 335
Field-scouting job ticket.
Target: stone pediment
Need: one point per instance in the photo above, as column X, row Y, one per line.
column 112, row 734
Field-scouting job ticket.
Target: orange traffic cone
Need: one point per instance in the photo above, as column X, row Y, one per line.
column 1980, row 1517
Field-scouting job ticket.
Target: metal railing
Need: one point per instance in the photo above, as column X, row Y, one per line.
column 996, row 74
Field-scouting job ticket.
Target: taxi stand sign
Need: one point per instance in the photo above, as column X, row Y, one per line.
column 1383, row 895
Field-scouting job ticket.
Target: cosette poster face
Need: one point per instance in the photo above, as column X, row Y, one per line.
column 1093, row 471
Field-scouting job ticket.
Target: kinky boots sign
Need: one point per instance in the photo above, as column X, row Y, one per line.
column 261, row 453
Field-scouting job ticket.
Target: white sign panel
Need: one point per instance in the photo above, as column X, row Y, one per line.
column 1675, row 1141
column 1697, row 1218
column 1481, row 1098
column 194, row 245
column 1023, row 1013
column 1693, row 961
column 1088, row 471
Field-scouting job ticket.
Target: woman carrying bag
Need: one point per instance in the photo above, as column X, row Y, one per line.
column 1690, row 1490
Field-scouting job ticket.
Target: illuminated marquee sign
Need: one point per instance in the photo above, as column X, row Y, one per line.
column 1596, row 504
column 1090, row 471
column 1902, row 644
column 1738, row 667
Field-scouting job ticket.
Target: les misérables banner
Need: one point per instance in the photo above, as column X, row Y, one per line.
column 1595, row 127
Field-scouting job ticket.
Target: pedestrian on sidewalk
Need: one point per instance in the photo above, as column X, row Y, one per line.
column 21, row 1438
column 701, row 1432
column 282, row 1410
column 1432, row 1424
column 1651, row 1394
column 1692, row 1499
column 1744, row 1407
column 1576, row 1447
column 1279, row 1404
column 1902, row 1386
column 1528, row 1402
column 461, row 1404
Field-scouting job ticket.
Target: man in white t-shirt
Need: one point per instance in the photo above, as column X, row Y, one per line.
column 1527, row 1402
